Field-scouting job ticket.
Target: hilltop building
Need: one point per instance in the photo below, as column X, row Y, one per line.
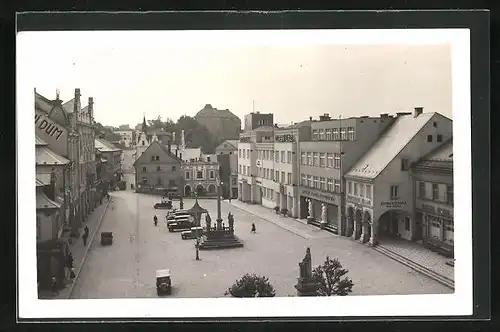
column 223, row 124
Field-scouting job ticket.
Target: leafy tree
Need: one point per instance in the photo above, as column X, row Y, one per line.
column 195, row 134
column 329, row 278
column 106, row 133
column 251, row 285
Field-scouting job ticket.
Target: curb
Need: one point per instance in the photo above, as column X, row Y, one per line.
column 443, row 280
column 91, row 240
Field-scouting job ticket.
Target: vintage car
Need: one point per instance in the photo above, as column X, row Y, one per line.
column 163, row 282
column 106, row 238
column 180, row 225
column 191, row 234
column 174, row 215
column 163, row 205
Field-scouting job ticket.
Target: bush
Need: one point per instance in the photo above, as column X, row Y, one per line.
column 328, row 277
column 251, row 285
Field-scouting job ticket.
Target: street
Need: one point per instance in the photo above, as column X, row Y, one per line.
column 127, row 268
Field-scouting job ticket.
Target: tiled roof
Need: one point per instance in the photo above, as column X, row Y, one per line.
column 441, row 157
column 44, row 178
column 43, row 103
column 39, row 141
column 389, row 145
column 233, row 142
column 45, row 156
column 69, row 105
column 208, row 110
column 105, row 146
column 43, row 202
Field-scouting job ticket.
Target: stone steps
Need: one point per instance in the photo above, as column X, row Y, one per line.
column 328, row 227
column 208, row 244
column 415, row 266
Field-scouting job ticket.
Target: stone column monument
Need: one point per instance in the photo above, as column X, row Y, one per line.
column 306, row 286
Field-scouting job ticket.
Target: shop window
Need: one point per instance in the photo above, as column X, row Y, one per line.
column 434, row 227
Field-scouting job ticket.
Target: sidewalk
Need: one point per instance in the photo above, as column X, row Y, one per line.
column 290, row 224
column 80, row 251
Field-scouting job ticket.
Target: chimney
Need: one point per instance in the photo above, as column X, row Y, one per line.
column 418, row 111
column 76, row 104
column 310, row 118
column 384, row 115
column 91, row 109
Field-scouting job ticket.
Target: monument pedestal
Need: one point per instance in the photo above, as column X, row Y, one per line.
column 306, row 287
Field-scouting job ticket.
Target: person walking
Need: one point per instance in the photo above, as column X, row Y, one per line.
column 84, row 237
column 253, row 228
column 155, row 220
column 54, row 286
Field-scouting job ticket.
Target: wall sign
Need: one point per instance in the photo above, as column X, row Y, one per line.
column 47, row 125
column 318, row 195
column 436, row 210
column 359, row 200
column 285, row 138
column 393, row 204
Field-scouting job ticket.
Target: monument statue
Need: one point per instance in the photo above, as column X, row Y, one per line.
column 208, row 221
column 323, row 212
column 306, row 285
column 310, row 208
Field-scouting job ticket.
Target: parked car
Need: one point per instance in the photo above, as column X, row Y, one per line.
column 163, row 205
column 163, row 282
column 122, row 185
column 191, row 234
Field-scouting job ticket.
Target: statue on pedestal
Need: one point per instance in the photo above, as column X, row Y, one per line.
column 306, row 286
column 323, row 213
column 310, row 208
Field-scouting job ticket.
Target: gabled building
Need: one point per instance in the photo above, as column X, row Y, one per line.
column 158, row 170
column 433, row 187
column 200, row 177
column 111, row 162
column 380, row 189
column 227, row 156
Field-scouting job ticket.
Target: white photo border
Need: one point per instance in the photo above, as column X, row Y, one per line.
column 459, row 303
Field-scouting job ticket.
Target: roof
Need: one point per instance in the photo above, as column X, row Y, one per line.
column 264, row 128
column 389, row 145
column 39, row 183
column 208, row 110
column 163, row 273
column 45, row 156
column 196, row 209
column 441, row 157
column 233, row 142
column 43, row 103
column 39, row 141
column 69, row 105
column 43, row 202
column 163, row 147
column 105, row 146
column 44, row 178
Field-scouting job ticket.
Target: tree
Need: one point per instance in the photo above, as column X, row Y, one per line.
column 195, row 134
column 251, row 285
column 328, row 277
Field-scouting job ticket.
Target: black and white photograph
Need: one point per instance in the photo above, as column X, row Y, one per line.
column 181, row 173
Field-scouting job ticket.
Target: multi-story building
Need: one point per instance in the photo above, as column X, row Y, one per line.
column 125, row 138
column 158, row 170
column 223, row 124
column 111, row 162
column 380, row 190
column 433, row 187
column 335, row 145
column 227, row 153
column 200, row 177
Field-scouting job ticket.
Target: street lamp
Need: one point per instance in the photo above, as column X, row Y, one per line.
column 197, row 238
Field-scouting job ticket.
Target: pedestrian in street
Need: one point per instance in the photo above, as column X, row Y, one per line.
column 84, row 237
column 229, row 199
column 54, row 287
column 72, row 273
column 253, row 228
column 155, row 220
column 86, row 230
column 70, row 261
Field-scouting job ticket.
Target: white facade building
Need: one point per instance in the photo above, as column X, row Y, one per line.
column 126, row 137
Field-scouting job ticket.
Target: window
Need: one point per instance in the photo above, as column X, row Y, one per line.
column 429, row 138
column 233, row 181
column 330, row 185
column 394, row 192
column 407, row 223
column 322, row 182
column 144, row 181
column 171, row 183
column 276, row 156
column 212, row 174
column 158, row 168
column 322, row 159
column 434, row 227
column 421, row 189
column 368, row 188
column 355, row 189
column 289, row 157
column 328, row 134
column 361, row 190
column 350, row 133
column 289, row 176
column 239, row 153
column 316, row 182
column 309, row 181
column 173, row 168
column 337, row 186
column 439, row 138
column 239, row 169
column 449, row 194
column 315, row 159
column 315, row 134
column 282, row 177
column 329, row 157
column 283, row 157
column 158, row 182
column 153, row 158
column 303, row 179
column 405, row 164
column 248, row 154
column 435, row 191
column 309, row 159
column 337, row 160
column 144, row 169
column 435, row 124
column 343, row 133
column 349, row 187
column 335, row 133
column 143, row 143
column 208, row 159
column 321, row 134
column 277, row 176
column 187, row 175
column 199, row 174
column 303, row 159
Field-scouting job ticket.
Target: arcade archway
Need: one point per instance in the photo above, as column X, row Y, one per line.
column 211, row 189
column 394, row 224
column 187, row 191
column 200, row 190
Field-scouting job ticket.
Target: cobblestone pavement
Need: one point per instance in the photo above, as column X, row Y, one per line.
column 127, row 268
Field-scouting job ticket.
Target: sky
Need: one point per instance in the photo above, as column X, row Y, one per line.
column 131, row 74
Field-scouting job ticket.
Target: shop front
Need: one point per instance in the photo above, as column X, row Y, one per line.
column 324, row 206
column 434, row 226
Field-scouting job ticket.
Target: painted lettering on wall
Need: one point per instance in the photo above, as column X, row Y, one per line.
column 436, row 210
column 318, row 195
column 393, row 204
column 50, row 128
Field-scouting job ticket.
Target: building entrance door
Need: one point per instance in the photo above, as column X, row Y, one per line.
column 418, row 226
